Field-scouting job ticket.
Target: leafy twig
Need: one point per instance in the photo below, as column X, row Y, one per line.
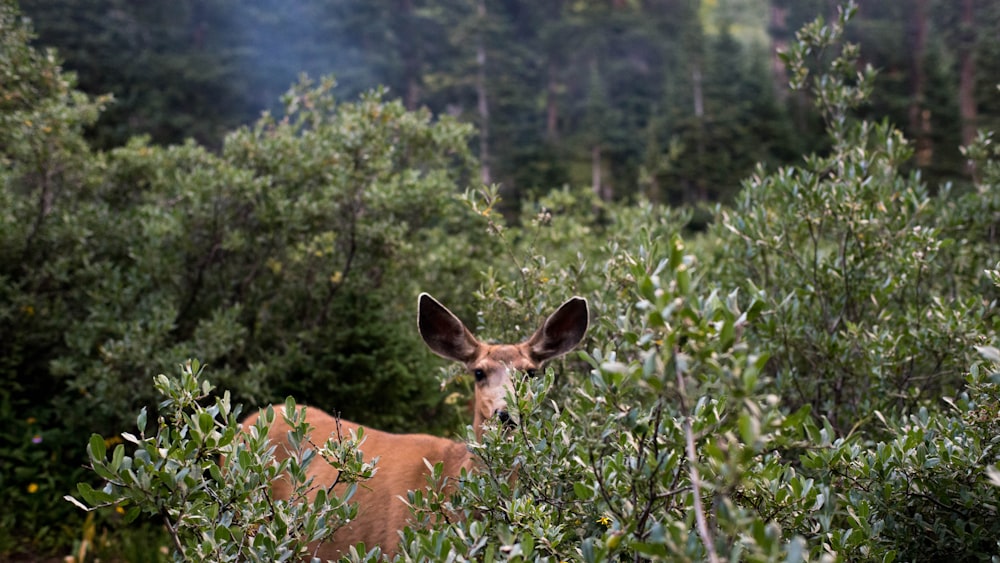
column 699, row 510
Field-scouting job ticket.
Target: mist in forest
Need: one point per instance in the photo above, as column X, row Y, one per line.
column 674, row 100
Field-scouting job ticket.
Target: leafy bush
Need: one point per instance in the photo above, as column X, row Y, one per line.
column 867, row 289
column 289, row 261
column 224, row 511
column 42, row 157
column 866, row 297
column 659, row 453
column 926, row 493
column 265, row 258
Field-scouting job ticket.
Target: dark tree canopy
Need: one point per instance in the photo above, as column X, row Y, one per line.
column 671, row 99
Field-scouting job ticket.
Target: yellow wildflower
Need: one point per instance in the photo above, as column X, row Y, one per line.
column 32, row 488
column 604, row 521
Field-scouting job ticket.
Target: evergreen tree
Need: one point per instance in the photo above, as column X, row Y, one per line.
column 671, row 98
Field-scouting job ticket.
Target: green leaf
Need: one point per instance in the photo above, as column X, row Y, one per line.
column 205, row 422
column 216, row 473
column 94, row 497
column 117, row 457
column 132, row 514
column 97, row 447
column 102, row 470
column 993, row 474
column 749, row 428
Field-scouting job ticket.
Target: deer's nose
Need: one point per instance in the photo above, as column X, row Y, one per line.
column 505, row 417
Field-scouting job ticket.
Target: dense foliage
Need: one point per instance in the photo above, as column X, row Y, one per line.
column 117, row 262
column 815, row 377
column 287, row 261
column 869, row 283
column 211, row 483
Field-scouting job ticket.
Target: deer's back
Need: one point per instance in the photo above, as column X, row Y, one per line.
column 382, row 512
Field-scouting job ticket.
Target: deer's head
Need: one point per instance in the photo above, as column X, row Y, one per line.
column 494, row 365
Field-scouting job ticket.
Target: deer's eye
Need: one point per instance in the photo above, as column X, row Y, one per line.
column 531, row 372
column 479, row 375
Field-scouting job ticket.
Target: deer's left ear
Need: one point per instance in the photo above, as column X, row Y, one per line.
column 561, row 332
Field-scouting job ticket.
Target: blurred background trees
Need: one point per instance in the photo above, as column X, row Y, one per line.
column 671, row 99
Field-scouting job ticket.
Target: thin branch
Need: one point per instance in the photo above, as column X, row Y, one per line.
column 699, row 510
column 173, row 531
column 652, row 497
column 608, row 499
column 46, row 199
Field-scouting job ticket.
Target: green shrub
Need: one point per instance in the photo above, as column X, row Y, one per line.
column 224, row 510
column 289, row 261
column 867, row 288
column 261, row 258
column 930, row 490
column 866, row 295
column 875, row 299
column 618, row 463
column 266, row 257
column 926, row 493
column 44, row 160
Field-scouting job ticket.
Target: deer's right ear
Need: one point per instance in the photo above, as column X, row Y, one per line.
column 443, row 332
column 561, row 332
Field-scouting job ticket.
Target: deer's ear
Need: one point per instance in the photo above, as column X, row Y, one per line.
column 443, row 332
column 561, row 332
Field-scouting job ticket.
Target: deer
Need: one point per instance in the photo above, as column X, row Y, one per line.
column 404, row 460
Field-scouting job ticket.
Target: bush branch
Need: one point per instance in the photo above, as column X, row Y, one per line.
column 699, row 510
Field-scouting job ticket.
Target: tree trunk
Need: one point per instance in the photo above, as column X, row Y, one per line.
column 699, row 115
column 552, row 102
column 779, row 44
column 696, row 93
column 553, row 57
column 919, row 116
column 595, row 170
column 411, row 58
column 967, row 74
column 482, row 102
